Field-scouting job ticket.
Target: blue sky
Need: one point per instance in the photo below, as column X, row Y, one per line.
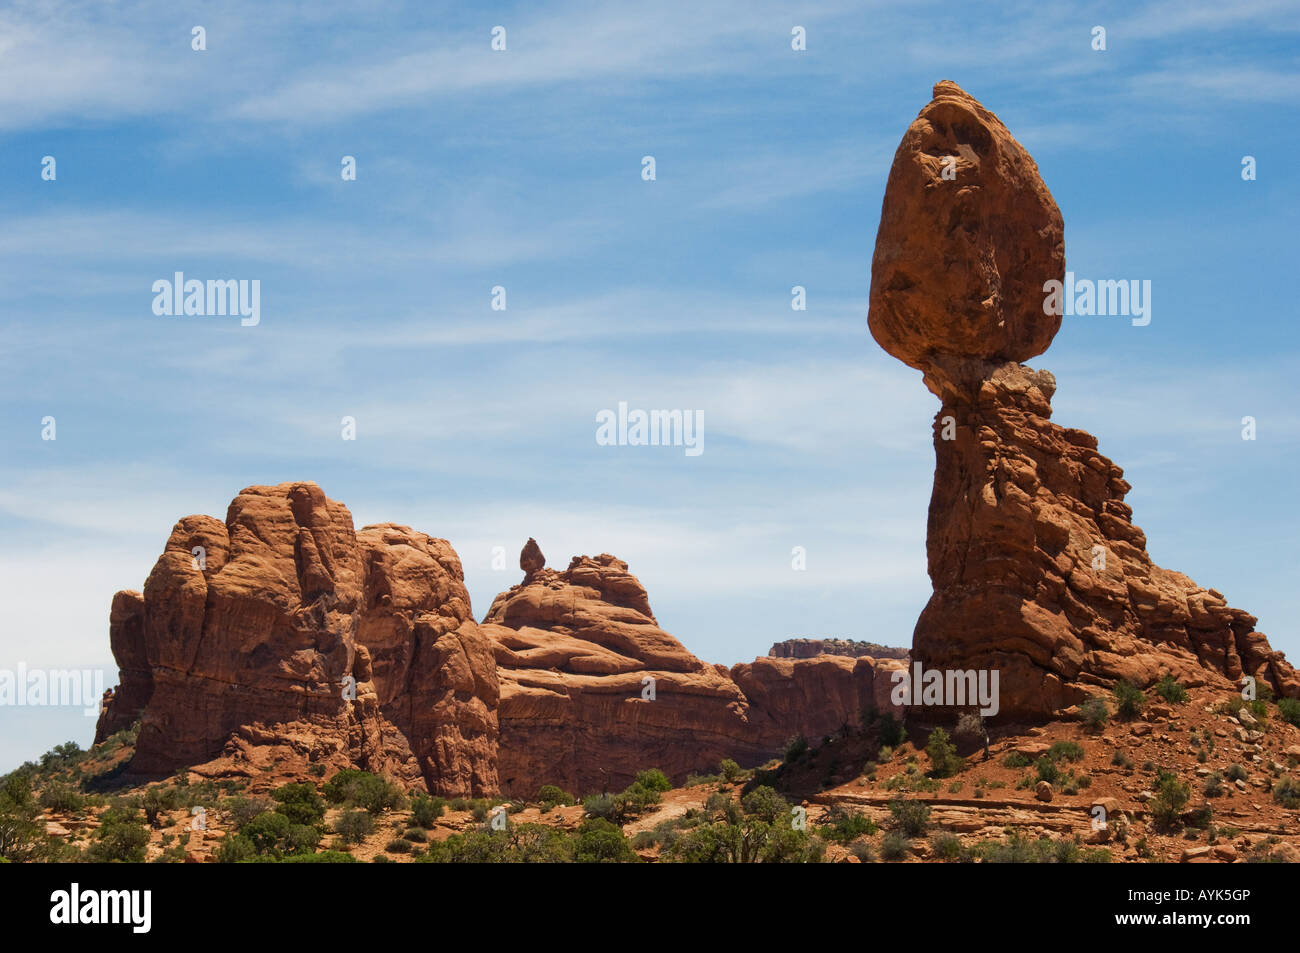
column 522, row 169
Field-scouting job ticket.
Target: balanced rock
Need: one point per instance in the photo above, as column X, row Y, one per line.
column 1038, row 570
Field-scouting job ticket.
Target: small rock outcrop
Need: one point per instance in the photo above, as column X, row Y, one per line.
column 1038, row 570
column 811, row 648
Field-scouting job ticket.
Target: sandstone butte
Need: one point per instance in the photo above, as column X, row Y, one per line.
column 283, row 637
column 1038, row 570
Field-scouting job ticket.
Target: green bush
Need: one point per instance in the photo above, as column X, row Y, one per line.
column 796, row 749
column 1289, row 709
column 157, row 799
column 844, row 826
column 235, row 849
column 416, row 834
column 910, row 817
column 1171, row 797
column 600, row 842
column 300, row 803
column 398, row 845
column 244, row 809
column 730, row 770
column 1066, row 751
column 121, row 838
column 894, row 846
column 364, row 790
column 599, row 805
column 890, row 731
column 1015, row 759
column 426, row 810
column 942, row 753
column 61, row 797
column 1129, row 699
column 1287, row 792
column 1236, row 772
column 324, row 857
column 1094, row 712
column 550, row 795
column 949, row 847
column 353, row 826
column 1169, row 689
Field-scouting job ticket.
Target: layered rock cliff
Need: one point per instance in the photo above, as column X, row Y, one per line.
column 593, row 690
column 284, row 637
column 1038, row 570
column 255, row 629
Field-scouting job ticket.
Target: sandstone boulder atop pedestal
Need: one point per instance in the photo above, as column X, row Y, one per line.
column 1038, row 570
column 251, row 632
column 968, row 236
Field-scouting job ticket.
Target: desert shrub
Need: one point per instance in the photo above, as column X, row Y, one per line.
column 910, row 817
column 121, row 838
column 795, row 749
column 1171, row 797
column 364, row 790
column 244, row 809
column 398, row 845
column 862, row 850
column 845, row 826
column 1289, row 709
column 426, row 810
column 947, row 847
column 1015, row 759
column 890, row 731
column 653, row 780
column 416, row 834
column 58, row 796
column 324, row 857
column 1047, row 770
column 730, row 770
column 599, row 805
column 300, row 803
column 1214, row 785
column 549, row 795
column 1129, row 699
column 235, row 849
column 942, row 753
column 1121, row 759
column 1287, row 792
column 1169, row 689
column 275, row 835
column 600, row 842
column 764, row 803
column 158, row 798
column 894, row 846
column 353, row 826
column 1094, row 712
column 1236, row 773
column 1066, row 751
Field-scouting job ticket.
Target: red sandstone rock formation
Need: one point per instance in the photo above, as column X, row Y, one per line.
column 291, row 640
column 261, row 639
column 577, row 653
column 1038, row 570
column 811, row 648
